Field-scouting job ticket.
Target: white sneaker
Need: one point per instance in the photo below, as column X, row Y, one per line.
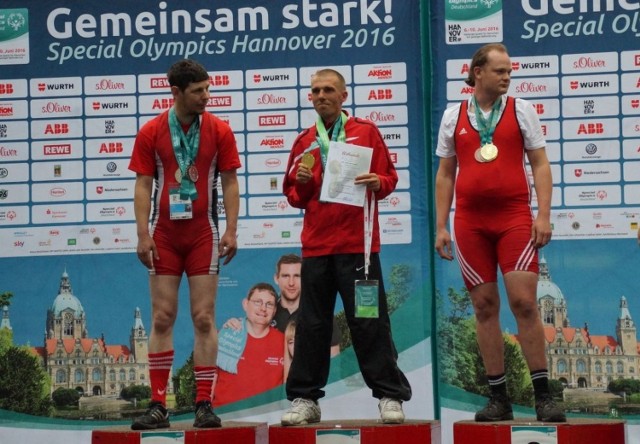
column 391, row 411
column 302, row 411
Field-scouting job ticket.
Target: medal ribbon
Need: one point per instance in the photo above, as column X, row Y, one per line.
column 486, row 127
column 185, row 148
column 338, row 135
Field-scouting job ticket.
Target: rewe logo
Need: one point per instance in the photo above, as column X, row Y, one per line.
column 279, row 119
column 51, row 150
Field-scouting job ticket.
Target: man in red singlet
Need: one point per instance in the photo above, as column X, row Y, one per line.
column 482, row 145
column 178, row 157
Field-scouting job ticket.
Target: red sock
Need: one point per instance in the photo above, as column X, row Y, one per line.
column 159, row 369
column 204, row 382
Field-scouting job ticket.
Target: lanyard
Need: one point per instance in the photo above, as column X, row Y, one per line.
column 369, row 210
column 338, row 135
column 185, row 148
column 486, row 127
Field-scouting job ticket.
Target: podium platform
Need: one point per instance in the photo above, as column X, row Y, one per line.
column 368, row 431
column 574, row 431
column 230, row 432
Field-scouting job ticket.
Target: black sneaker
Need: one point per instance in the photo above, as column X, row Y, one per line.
column 548, row 411
column 205, row 418
column 497, row 409
column 156, row 417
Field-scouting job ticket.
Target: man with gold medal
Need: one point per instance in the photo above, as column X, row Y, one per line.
column 340, row 250
column 482, row 144
column 178, row 158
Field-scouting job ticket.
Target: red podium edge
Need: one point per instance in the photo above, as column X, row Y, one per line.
column 574, row 431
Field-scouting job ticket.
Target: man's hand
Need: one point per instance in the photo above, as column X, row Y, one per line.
column 304, row 174
column 147, row 251
column 228, row 247
column 371, row 180
column 443, row 244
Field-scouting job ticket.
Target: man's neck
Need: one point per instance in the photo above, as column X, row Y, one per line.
column 291, row 306
column 485, row 102
column 257, row 331
column 183, row 117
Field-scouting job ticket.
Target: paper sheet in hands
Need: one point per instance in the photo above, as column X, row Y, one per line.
column 344, row 163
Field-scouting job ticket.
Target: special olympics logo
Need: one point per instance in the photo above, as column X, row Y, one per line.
column 16, row 21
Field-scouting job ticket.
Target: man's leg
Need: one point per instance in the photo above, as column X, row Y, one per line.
column 164, row 309
column 486, row 304
column 203, row 290
column 522, row 293
column 311, row 357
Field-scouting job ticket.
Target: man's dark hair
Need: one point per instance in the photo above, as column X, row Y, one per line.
column 479, row 59
column 287, row 259
column 262, row 286
column 186, row 71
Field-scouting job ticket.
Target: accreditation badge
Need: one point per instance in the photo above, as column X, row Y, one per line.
column 366, row 298
column 179, row 208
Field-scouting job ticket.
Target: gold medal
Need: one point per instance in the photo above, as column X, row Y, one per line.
column 308, row 160
column 192, row 172
column 488, row 152
column 178, row 175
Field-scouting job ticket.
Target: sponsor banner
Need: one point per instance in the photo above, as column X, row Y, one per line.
column 57, row 192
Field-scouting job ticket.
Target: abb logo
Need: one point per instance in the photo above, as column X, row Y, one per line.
column 57, row 128
column 6, row 88
column 162, row 104
column 380, row 94
column 111, row 147
column 220, row 80
column 591, row 128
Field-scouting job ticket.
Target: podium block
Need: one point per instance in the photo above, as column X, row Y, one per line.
column 574, row 431
column 369, row 432
column 230, row 432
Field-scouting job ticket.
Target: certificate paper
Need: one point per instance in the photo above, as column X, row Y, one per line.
column 344, row 162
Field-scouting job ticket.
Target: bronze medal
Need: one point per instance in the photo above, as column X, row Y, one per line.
column 192, row 172
column 488, row 152
column 178, row 175
column 308, row 160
